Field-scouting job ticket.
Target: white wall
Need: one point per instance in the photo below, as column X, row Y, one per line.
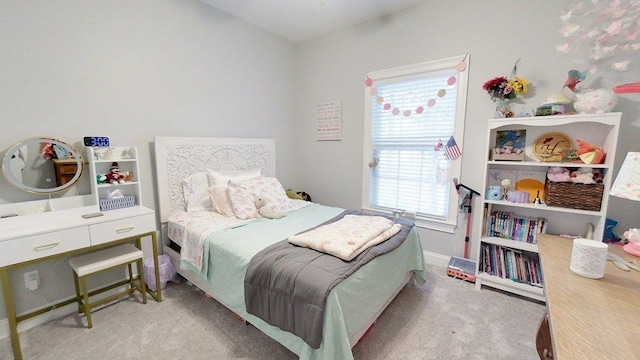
column 495, row 34
column 132, row 70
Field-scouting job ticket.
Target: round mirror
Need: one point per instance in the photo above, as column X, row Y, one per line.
column 42, row 165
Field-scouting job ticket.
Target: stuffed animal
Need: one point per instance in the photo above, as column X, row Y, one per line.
column 589, row 153
column 632, row 235
column 558, row 174
column 583, row 176
column 292, row 195
column 101, row 179
column 114, row 176
column 609, row 236
column 267, row 212
column 304, row 195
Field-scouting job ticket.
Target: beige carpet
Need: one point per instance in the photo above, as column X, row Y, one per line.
column 443, row 319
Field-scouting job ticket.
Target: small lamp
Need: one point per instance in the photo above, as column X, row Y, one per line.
column 627, row 186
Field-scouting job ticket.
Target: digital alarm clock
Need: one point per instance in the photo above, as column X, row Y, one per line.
column 96, row 141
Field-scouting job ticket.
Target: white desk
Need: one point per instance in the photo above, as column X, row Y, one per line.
column 590, row 319
column 29, row 239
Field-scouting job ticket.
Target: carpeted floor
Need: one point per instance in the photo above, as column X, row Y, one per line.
column 442, row 319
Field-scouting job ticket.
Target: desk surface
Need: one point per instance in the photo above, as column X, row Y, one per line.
column 46, row 222
column 590, row 319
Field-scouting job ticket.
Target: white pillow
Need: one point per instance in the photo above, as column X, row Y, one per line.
column 242, row 203
column 222, row 177
column 220, row 197
column 268, row 188
column 196, row 196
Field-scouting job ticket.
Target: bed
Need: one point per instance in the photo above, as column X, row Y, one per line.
column 226, row 245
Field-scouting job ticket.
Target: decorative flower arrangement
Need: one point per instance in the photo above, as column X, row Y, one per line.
column 502, row 88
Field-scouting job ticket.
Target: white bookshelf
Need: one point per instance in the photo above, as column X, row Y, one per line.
column 598, row 129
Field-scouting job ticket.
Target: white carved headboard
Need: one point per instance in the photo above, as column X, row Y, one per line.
column 179, row 157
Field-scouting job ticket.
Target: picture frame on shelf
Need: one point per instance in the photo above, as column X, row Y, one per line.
column 509, row 145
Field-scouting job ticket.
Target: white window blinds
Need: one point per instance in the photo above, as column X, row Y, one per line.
column 409, row 114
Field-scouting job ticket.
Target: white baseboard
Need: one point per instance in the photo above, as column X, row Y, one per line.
column 54, row 313
column 37, row 320
column 436, row 259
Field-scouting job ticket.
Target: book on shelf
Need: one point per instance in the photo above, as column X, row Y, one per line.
column 511, row 264
column 508, row 225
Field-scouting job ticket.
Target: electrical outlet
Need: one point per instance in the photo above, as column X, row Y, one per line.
column 32, row 280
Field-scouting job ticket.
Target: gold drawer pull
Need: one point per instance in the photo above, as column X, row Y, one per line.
column 46, row 247
column 123, row 230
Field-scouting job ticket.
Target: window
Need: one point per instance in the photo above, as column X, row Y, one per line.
column 409, row 110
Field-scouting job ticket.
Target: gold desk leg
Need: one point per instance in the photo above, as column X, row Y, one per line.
column 157, row 294
column 11, row 313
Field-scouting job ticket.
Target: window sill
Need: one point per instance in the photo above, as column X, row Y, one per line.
column 421, row 222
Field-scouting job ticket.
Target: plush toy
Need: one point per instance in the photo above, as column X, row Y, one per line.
column 267, row 212
column 632, row 235
column 558, row 174
column 101, row 179
column 589, row 153
column 114, row 176
column 304, row 195
column 293, row 195
column 582, row 176
column 609, row 236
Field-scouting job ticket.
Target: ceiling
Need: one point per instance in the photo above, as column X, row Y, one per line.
column 302, row 20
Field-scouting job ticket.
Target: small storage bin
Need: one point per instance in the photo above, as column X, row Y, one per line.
column 112, row 204
column 574, row 195
column 166, row 269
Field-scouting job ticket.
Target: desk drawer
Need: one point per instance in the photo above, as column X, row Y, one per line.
column 38, row 246
column 122, row 228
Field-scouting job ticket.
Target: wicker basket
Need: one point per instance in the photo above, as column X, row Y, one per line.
column 112, row 204
column 573, row 195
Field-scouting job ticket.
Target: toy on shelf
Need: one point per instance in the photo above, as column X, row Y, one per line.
column 114, row 176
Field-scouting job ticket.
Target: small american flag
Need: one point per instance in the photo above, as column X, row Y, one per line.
column 451, row 150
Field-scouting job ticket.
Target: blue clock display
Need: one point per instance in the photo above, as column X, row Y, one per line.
column 96, row 141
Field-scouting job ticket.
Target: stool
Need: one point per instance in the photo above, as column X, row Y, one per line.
column 98, row 261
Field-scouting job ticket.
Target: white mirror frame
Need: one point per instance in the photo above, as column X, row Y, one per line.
column 13, row 180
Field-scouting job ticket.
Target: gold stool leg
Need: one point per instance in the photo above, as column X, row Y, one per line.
column 78, row 293
column 143, row 285
column 86, row 305
column 132, row 284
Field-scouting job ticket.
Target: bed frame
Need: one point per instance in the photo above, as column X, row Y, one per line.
column 178, row 157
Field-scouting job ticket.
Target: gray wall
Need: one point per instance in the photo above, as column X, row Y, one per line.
column 132, row 70
column 495, row 33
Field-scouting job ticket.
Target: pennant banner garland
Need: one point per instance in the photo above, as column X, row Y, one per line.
column 460, row 67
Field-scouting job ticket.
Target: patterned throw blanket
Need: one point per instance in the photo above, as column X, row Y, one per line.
column 287, row 285
column 349, row 236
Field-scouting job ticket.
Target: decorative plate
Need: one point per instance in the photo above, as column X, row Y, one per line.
column 548, row 147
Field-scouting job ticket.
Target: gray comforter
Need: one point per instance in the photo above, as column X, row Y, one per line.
column 287, row 285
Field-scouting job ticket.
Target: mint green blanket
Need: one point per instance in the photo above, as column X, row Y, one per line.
column 347, row 312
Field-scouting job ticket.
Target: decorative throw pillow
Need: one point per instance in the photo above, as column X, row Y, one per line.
column 269, row 189
column 222, row 177
column 196, row 197
column 242, row 203
column 220, row 198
